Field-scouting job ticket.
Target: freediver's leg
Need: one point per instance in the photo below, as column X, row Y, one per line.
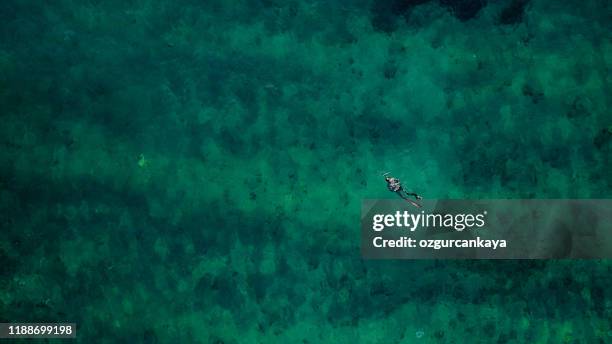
column 403, row 194
column 413, row 194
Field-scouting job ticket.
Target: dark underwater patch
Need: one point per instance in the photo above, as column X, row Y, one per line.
column 385, row 14
column 513, row 13
column 603, row 137
column 464, row 10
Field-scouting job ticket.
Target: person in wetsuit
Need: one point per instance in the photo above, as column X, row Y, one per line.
column 393, row 184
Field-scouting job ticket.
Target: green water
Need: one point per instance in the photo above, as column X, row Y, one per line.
column 192, row 171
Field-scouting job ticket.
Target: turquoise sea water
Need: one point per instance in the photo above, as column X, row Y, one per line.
column 192, row 171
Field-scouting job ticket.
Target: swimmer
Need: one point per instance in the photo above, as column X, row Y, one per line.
column 393, row 184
